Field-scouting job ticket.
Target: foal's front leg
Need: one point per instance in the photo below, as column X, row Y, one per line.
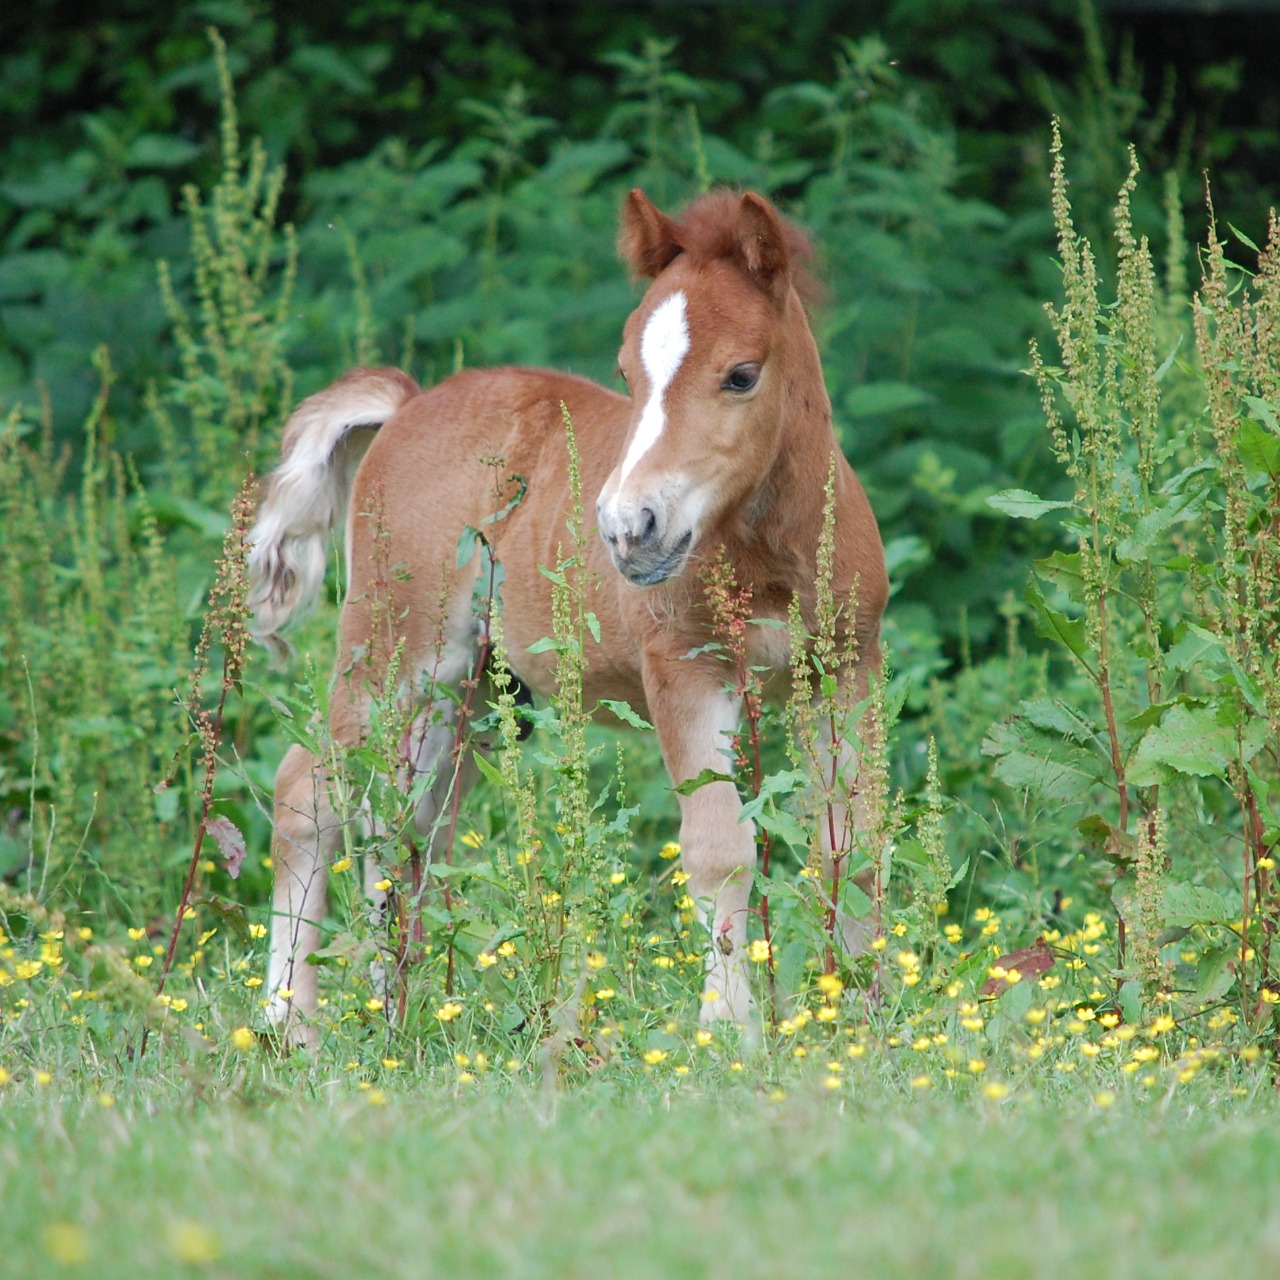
column 718, row 851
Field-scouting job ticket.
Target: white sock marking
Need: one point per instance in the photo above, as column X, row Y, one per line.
column 663, row 347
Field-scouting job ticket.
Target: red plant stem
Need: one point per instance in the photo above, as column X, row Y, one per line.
column 206, row 803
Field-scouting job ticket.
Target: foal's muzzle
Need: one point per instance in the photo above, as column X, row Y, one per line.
column 642, row 548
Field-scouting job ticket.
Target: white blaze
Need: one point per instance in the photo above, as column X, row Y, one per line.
column 663, row 347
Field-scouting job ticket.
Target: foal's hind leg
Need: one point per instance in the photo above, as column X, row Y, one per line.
column 695, row 727
column 307, row 833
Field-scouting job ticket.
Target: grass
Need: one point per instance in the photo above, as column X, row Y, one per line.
column 520, row 1182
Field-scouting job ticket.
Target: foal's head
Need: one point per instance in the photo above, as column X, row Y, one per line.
column 715, row 357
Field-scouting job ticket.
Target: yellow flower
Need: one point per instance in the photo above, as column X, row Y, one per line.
column 508, row 948
column 879, row 943
column 702, row 1038
column 669, row 850
column 342, row 864
column 977, row 1066
column 606, row 993
column 257, row 931
column 253, row 982
column 595, row 960
column 952, row 933
column 830, row 986
column 66, row 1243
column 995, row 1090
column 391, row 1063
column 618, row 877
column 382, row 885
column 1104, row 1099
column 143, row 962
column 178, row 1004
column 486, row 959
column 241, row 1038
column 1162, row 1024
column 828, row 1013
column 472, row 839
column 374, row 1005
column 137, row 934
column 654, row 1056
column 193, row 1242
column 44, row 1077
column 758, row 951
column 921, row 1082
column 448, row 1011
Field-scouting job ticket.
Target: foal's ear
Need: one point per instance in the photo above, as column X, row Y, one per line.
column 762, row 246
column 648, row 240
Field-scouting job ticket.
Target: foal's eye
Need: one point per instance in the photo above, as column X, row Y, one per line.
column 742, row 378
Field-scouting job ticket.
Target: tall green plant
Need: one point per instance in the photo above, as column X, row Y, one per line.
column 1162, row 603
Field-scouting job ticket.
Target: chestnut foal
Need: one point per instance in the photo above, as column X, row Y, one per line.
column 723, row 446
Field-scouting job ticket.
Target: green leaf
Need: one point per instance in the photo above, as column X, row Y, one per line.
column 548, row 644
column 1259, row 449
column 1194, row 647
column 1022, row 504
column 1181, row 506
column 1197, row 741
column 1057, row 626
column 467, row 541
column 1244, row 239
column 489, row 770
column 1059, row 717
column 871, row 398
column 1263, row 411
column 690, row 785
column 625, row 713
column 1215, row 974
column 1031, row 759
column 1064, row 571
column 159, row 151
column 1192, row 904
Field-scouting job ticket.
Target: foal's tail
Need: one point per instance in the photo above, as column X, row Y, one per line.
column 307, row 494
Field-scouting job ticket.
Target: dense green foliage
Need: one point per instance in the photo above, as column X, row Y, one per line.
column 1072, row 765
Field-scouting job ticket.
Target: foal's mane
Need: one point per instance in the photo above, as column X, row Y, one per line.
column 707, row 230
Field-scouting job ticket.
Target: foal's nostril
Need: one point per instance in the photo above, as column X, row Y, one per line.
column 648, row 522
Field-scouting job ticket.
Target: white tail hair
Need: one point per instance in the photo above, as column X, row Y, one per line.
column 307, row 494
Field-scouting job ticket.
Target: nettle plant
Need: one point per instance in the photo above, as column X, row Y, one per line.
column 1167, row 605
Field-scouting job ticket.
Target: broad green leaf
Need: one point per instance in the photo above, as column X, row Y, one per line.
column 1031, row 759
column 1058, row 716
column 1198, row 741
column 1191, row 904
column 1063, row 570
column 1259, row 448
column 1194, row 647
column 1179, row 507
column 1263, row 411
column 1023, row 504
